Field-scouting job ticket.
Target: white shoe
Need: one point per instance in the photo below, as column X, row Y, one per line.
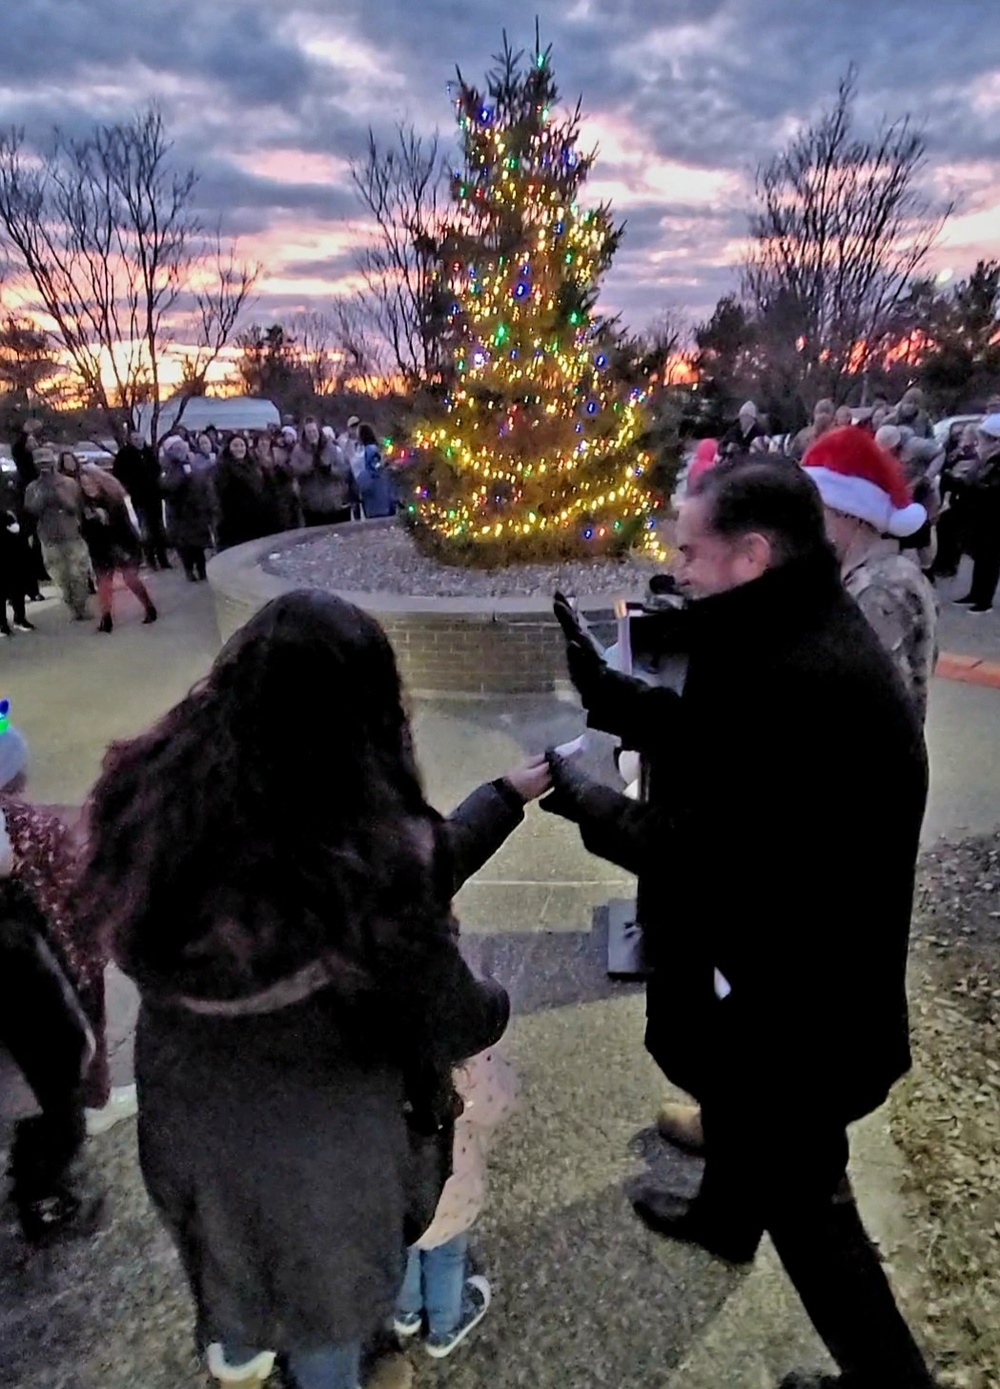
column 253, row 1375
column 123, row 1104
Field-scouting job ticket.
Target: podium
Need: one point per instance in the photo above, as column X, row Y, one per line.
column 644, row 650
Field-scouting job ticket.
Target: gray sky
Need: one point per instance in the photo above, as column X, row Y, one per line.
column 270, row 99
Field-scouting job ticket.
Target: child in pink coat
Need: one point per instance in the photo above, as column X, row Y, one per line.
column 437, row 1283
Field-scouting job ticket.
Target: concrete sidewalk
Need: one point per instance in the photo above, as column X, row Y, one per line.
column 584, row 1296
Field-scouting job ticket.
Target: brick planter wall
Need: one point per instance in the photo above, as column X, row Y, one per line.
column 444, row 646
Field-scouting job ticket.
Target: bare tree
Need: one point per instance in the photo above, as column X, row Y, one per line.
column 104, row 229
column 401, row 186
column 840, row 231
column 360, row 347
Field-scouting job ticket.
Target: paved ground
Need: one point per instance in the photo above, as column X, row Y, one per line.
column 584, row 1297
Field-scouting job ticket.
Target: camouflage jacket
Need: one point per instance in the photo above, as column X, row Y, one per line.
column 901, row 607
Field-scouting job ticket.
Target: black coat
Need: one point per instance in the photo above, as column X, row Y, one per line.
column 139, row 473
column 190, row 497
column 788, row 789
column 248, row 508
column 111, row 538
column 274, row 1144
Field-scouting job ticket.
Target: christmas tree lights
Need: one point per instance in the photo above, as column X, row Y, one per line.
column 538, row 450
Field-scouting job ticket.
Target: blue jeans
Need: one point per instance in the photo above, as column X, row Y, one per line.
column 337, row 1367
column 434, row 1283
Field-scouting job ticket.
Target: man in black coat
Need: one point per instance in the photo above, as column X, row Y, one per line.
column 137, row 470
column 778, row 850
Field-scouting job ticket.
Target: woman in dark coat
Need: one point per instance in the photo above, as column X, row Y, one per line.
column 190, row 498
column 112, row 541
column 247, row 507
column 283, row 903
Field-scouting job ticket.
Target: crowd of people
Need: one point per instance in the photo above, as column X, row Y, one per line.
column 318, row 1068
column 80, row 524
column 956, row 478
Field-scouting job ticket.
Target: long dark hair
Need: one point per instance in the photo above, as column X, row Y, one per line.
column 273, row 817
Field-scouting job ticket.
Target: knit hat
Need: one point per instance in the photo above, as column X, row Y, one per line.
column 13, row 748
column 176, row 447
column 857, row 478
column 990, row 426
column 355, row 419
column 705, row 457
column 290, row 434
column 888, row 437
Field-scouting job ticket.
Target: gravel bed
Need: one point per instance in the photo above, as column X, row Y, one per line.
column 387, row 561
column 946, row 1113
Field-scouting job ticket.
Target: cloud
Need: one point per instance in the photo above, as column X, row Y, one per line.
column 271, row 102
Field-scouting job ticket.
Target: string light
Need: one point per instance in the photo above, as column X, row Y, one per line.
column 537, row 444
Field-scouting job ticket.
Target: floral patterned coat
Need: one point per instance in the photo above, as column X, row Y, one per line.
column 488, row 1086
column 43, row 850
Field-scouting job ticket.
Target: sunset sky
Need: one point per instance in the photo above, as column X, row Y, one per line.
column 271, row 101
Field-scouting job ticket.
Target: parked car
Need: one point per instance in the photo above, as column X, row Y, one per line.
column 89, row 452
column 943, row 428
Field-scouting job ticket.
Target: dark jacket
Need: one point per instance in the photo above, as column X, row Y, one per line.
column 111, row 538
column 273, row 1143
column 139, row 473
column 190, row 500
column 325, row 480
column 735, row 441
column 787, row 787
column 248, row 507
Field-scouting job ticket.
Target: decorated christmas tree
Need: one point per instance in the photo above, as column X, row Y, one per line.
column 537, row 452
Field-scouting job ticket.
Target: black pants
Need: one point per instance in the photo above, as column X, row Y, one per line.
column 952, row 537
column 193, row 560
column 986, row 565
column 799, row 1193
column 154, row 536
column 43, row 1027
column 12, row 592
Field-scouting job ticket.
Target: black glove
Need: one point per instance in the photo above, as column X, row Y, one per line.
column 569, row 786
column 586, row 665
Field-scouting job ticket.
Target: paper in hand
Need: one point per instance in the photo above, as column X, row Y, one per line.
column 571, row 749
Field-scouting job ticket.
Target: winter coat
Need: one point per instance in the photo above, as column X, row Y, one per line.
column 778, row 847
column 281, row 481
column 16, row 566
column 325, row 481
column 111, row 538
column 190, row 500
column 56, row 502
column 45, row 865
column 139, row 473
column 735, row 441
column 273, row 1142
column 376, row 484
column 487, row 1087
column 902, row 610
column 247, row 505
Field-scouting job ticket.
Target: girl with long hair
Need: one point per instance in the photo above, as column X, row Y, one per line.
column 265, row 866
column 112, row 540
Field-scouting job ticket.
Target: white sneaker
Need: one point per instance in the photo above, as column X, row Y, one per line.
column 123, row 1104
column 253, row 1375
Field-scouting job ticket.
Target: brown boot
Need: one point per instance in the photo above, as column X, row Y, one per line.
column 391, row 1371
column 680, row 1124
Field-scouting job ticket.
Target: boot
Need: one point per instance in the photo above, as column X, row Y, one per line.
column 106, row 623
column 392, row 1371
column 691, row 1222
column 253, row 1375
column 151, row 616
column 680, row 1124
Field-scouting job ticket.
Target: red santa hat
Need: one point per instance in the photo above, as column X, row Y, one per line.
column 857, row 478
